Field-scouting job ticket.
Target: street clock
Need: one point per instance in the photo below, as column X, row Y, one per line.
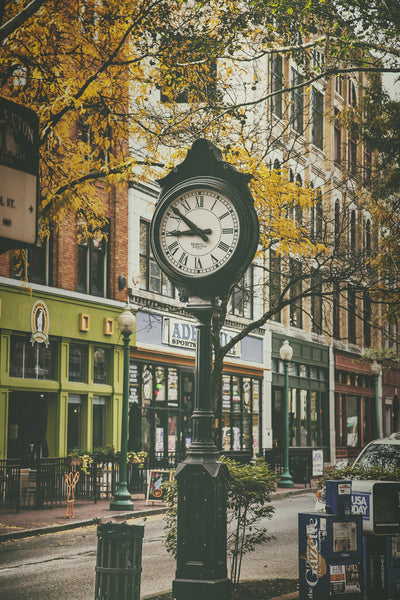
column 204, row 231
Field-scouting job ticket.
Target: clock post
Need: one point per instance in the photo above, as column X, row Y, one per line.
column 203, row 235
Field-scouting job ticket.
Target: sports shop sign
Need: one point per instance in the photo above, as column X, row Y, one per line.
column 182, row 334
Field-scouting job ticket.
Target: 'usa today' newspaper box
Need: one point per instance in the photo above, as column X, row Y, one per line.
column 378, row 503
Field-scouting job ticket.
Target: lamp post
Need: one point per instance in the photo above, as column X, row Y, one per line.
column 286, row 353
column 376, row 370
column 122, row 497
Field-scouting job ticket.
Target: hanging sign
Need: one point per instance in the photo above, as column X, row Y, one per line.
column 40, row 323
column 19, row 169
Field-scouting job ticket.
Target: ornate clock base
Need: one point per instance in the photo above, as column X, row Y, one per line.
column 201, row 572
column 201, row 590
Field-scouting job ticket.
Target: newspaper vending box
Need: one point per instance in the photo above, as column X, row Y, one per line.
column 330, row 557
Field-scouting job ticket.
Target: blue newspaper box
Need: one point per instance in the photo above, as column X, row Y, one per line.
column 393, row 566
column 330, row 557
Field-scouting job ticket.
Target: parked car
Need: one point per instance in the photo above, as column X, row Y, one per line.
column 383, row 452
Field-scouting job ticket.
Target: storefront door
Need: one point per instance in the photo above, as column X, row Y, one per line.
column 27, row 426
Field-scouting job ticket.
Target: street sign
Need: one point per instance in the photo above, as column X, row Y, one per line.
column 19, row 169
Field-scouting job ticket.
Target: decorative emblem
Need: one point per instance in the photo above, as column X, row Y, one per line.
column 40, row 323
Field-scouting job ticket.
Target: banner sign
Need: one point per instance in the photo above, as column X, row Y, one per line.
column 19, row 168
column 182, row 334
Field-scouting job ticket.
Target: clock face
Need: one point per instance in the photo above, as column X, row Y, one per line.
column 199, row 232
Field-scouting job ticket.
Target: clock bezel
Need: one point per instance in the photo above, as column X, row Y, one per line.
column 218, row 283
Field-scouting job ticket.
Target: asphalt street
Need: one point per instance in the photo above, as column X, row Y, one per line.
column 61, row 566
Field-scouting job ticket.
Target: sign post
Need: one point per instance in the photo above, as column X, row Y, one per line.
column 19, row 169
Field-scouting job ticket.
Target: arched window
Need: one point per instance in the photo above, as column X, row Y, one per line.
column 277, row 165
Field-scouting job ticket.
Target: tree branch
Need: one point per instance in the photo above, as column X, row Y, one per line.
column 20, row 18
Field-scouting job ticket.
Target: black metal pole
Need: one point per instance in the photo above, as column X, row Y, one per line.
column 201, row 572
column 122, row 497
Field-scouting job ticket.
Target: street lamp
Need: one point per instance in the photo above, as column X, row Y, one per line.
column 376, row 370
column 286, row 353
column 122, row 497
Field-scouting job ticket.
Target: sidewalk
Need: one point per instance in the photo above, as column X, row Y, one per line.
column 29, row 522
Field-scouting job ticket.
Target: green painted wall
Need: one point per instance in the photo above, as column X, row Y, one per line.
column 16, row 304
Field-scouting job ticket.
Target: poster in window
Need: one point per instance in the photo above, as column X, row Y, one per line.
column 155, row 489
column 345, row 579
column 344, row 537
column 159, row 439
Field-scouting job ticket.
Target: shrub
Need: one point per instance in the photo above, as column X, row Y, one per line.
column 248, row 497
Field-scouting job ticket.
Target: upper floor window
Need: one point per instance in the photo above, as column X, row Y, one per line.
column 276, row 84
column 274, row 285
column 352, row 230
column 351, row 315
column 336, row 311
column 152, row 278
column 352, row 153
column 367, row 316
column 318, row 60
column 296, row 303
column 367, row 241
column 242, row 296
column 317, row 217
column 297, row 107
column 337, row 138
column 36, row 267
column 367, row 173
column 352, row 93
column 317, row 118
column 316, row 303
column 93, row 263
column 337, row 223
column 339, row 84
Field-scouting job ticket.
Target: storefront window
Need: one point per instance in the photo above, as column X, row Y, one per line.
column 33, row 361
column 240, row 414
column 101, row 364
column 77, row 362
column 352, row 421
column 99, row 421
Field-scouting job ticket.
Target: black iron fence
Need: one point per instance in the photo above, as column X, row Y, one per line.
column 300, row 462
column 43, row 484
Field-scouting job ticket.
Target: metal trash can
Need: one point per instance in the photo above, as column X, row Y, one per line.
column 119, row 561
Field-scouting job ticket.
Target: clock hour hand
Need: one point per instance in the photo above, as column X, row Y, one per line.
column 178, row 232
column 190, row 224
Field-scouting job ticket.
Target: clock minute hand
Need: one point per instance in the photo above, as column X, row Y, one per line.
column 190, row 224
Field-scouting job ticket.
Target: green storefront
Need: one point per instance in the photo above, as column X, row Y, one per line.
column 61, row 372
column 308, row 395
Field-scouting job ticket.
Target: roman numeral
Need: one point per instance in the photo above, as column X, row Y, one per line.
column 224, row 215
column 173, row 248
column 223, row 246
column 171, row 215
column 185, row 205
column 215, row 260
column 197, row 263
column 199, row 201
column 183, row 259
column 227, row 230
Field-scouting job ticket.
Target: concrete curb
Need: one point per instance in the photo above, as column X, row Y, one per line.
column 24, row 533
column 289, row 596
